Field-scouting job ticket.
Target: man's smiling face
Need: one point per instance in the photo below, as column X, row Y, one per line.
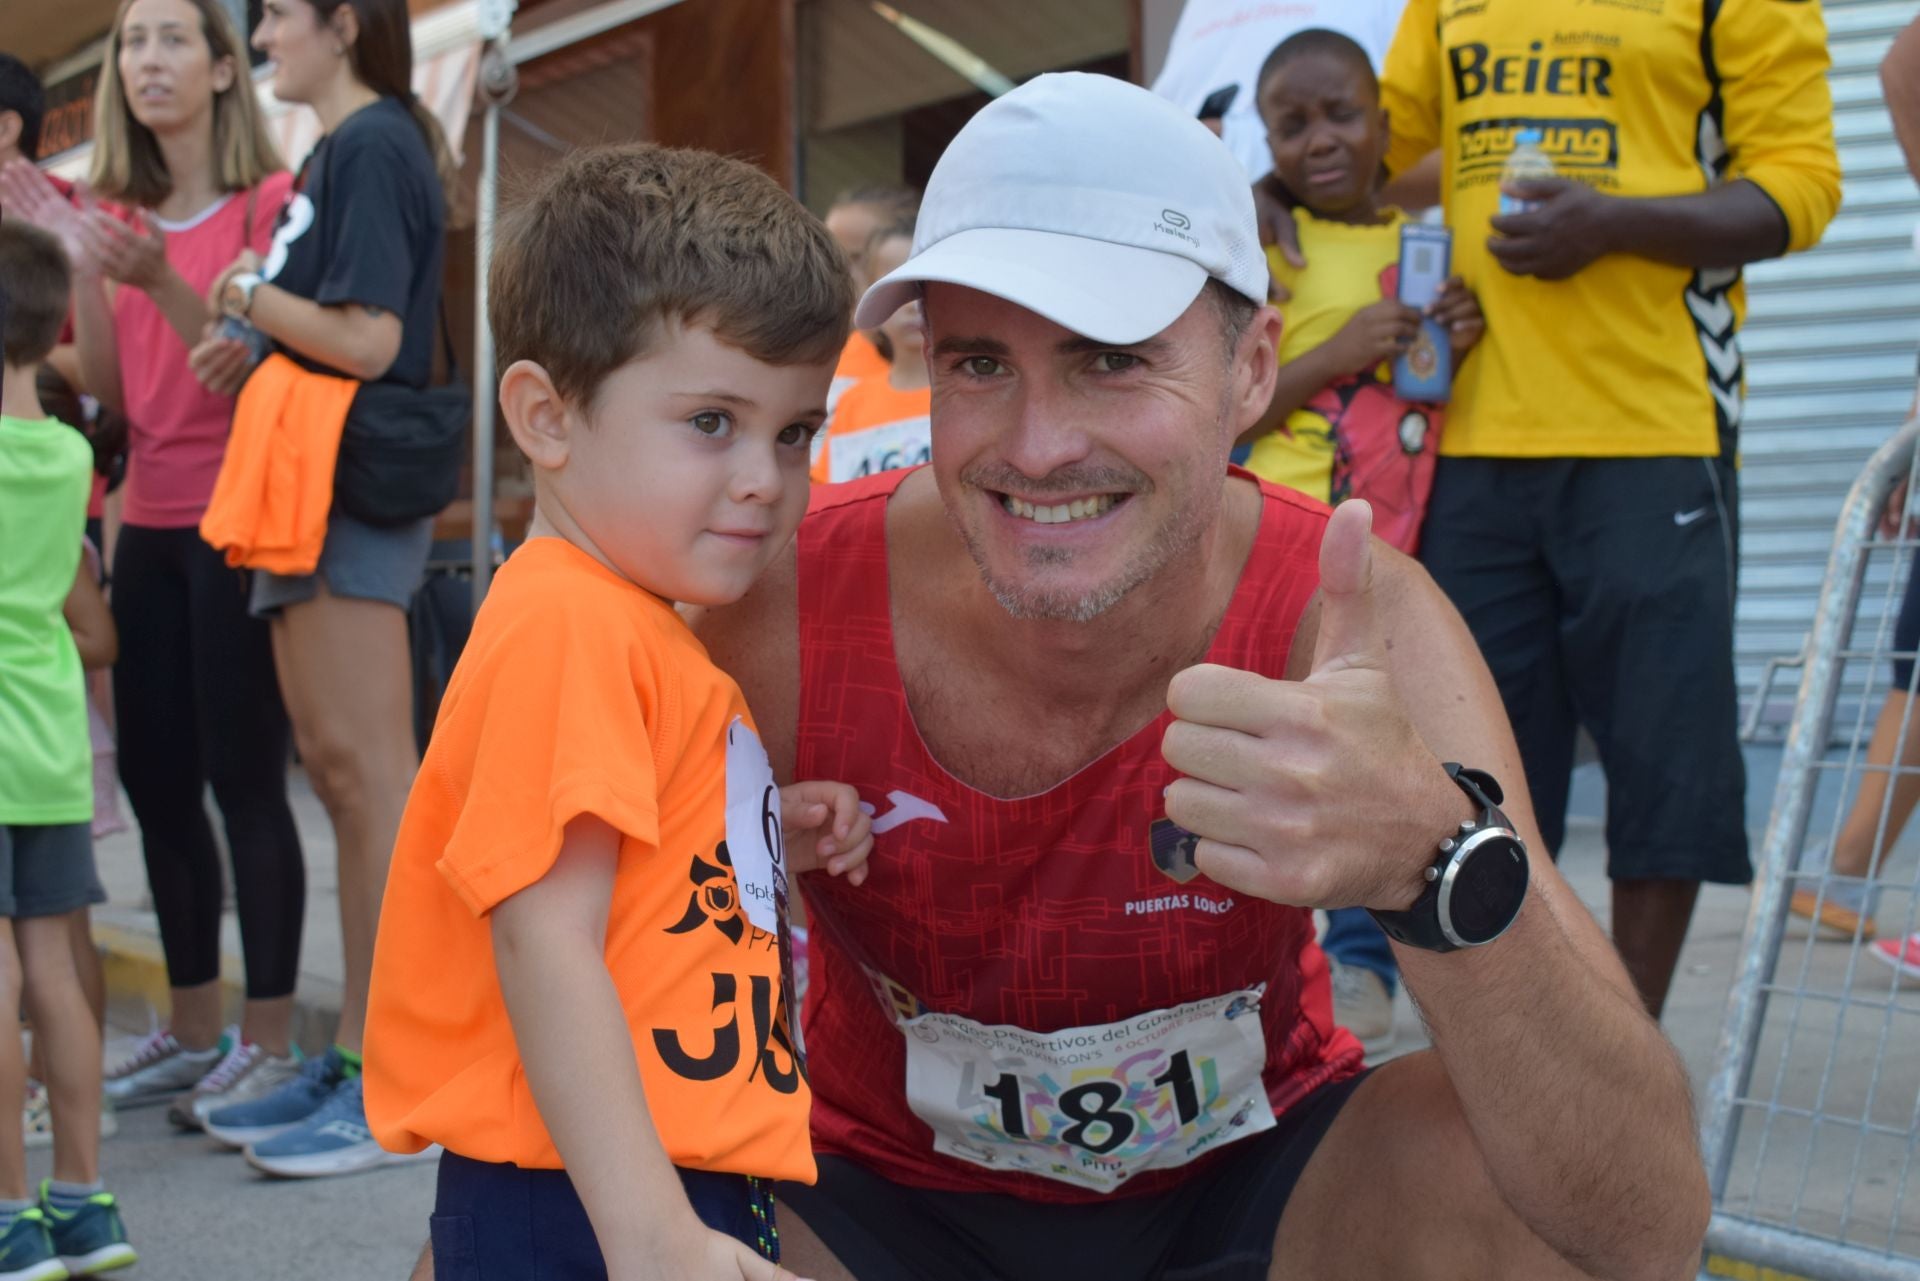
column 1075, row 470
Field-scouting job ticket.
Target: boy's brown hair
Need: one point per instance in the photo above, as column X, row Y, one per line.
column 37, row 283
column 614, row 241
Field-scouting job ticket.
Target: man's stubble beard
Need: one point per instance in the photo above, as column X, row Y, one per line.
column 1179, row 535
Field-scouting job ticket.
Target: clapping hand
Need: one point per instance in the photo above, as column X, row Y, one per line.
column 135, row 256
column 29, row 195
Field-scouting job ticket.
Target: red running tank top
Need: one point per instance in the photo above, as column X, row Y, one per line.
column 1044, row 912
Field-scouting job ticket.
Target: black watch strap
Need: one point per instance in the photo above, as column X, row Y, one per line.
column 1419, row 925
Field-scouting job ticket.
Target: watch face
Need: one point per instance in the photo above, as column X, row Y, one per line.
column 1487, row 886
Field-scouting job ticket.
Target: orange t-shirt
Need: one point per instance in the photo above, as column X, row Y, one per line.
column 579, row 693
column 875, row 428
column 859, row 359
column 270, row 501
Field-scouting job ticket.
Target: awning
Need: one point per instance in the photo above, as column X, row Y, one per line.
column 858, row 68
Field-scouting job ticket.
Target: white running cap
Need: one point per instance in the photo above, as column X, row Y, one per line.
column 1087, row 200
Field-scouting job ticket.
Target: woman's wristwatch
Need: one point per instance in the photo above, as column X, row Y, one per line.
column 236, row 299
column 1475, row 887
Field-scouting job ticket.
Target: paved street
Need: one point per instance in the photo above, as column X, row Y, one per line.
column 197, row 1212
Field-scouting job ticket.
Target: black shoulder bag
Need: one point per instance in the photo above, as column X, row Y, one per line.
column 401, row 448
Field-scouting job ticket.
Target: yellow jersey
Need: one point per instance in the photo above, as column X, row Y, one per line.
column 1355, row 437
column 1630, row 357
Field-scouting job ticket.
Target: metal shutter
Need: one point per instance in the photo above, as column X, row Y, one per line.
column 1830, row 343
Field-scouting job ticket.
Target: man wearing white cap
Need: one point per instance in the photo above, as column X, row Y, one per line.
column 1124, row 718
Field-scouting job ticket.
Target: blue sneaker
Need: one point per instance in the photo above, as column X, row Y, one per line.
column 26, row 1250
column 334, row 1140
column 90, row 1240
column 239, row 1124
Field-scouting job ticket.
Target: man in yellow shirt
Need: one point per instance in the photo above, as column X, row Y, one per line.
column 1583, row 510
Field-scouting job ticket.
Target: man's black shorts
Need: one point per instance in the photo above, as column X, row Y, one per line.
column 1601, row 593
column 1217, row 1226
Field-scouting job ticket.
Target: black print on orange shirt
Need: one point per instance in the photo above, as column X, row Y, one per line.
column 714, row 899
column 774, row 1059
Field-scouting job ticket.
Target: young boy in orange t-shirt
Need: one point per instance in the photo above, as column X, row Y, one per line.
column 581, row 985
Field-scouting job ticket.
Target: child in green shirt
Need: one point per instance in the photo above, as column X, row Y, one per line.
column 73, row 1226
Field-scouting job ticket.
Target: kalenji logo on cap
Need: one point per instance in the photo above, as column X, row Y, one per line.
column 1174, row 223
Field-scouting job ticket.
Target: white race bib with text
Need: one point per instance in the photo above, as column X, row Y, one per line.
column 1091, row 1106
column 753, row 829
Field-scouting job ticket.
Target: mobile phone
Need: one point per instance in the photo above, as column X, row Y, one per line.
column 258, row 344
column 1424, row 372
column 1218, row 103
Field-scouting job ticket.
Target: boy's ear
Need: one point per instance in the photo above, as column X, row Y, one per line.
column 536, row 414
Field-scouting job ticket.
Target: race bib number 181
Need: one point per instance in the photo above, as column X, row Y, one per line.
column 1091, row 1106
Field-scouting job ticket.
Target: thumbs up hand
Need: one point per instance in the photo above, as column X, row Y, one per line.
column 1317, row 792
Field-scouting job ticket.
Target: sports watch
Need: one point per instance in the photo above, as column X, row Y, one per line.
column 236, row 299
column 1475, row 888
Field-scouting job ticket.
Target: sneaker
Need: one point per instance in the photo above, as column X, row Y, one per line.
column 258, row 1119
column 1903, row 955
column 159, row 1068
column 334, row 1140
column 26, row 1250
column 36, row 1118
column 248, row 1072
column 1839, row 906
column 92, row 1239
column 1362, row 1005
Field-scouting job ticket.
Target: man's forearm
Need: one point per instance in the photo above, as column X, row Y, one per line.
column 1576, row 1102
column 1730, row 226
column 1580, row 1107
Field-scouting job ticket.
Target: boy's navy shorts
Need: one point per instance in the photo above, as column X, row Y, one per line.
column 1218, row 1224
column 46, row 871
column 495, row 1222
column 1600, row 591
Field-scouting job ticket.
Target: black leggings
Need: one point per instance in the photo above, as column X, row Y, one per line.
column 197, row 703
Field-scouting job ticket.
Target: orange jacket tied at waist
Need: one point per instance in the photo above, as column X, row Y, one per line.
column 269, row 506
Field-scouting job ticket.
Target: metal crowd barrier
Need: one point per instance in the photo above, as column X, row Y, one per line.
column 1811, row 1113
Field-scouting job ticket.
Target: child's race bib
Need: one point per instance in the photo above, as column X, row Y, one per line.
column 888, row 447
column 753, row 829
column 1091, row 1106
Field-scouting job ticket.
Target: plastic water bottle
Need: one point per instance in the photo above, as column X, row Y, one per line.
column 1527, row 163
